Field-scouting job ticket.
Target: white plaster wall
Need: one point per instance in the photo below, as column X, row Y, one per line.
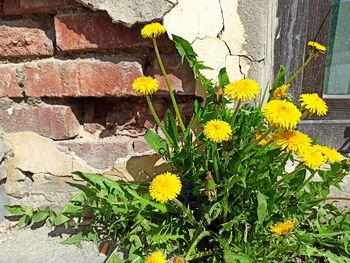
column 226, row 33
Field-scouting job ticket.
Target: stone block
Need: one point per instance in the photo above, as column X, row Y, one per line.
column 19, row 7
column 80, row 78
column 9, row 86
column 56, row 122
column 26, row 37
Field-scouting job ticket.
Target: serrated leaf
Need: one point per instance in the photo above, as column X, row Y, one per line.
column 60, row 219
column 41, row 216
column 183, row 47
column 155, row 141
column 74, row 240
column 23, row 221
column 15, row 210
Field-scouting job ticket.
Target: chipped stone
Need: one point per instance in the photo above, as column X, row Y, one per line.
column 37, row 154
column 131, row 12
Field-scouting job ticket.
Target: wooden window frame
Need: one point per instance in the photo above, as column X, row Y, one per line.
column 299, row 22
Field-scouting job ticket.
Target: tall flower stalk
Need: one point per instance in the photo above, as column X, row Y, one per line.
column 152, row 31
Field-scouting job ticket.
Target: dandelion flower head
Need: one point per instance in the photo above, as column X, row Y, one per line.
column 331, row 154
column 312, row 157
column 242, row 90
column 152, row 30
column 217, row 131
column 280, row 92
column 282, row 114
column 283, row 228
column 292, row 141
column 156, row 257
column 165, row 187
column 313, row 104
column 145, row 85
column 317, row 47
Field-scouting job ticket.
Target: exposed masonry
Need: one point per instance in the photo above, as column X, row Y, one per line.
column 66, row 68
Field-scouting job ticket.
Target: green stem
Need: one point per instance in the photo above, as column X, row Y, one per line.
column 235, row 112
column 307, row 62
column 264, row 96
column 215, row 155
column 225, row 209
column 194, row 244
column 171, row 93
column 187, row 212
column 306, row 181
column 155, row 116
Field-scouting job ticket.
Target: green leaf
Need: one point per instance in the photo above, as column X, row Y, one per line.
column 262, row 207
column 223, row 78
column 72, row 209
column 74, row 240
column 170, row 126
column 23, row 221
column 279, row 80
column 155, row 141
column 15, row 210
column 60, row 220
column 114, row 257
column 85, row 189
column 161, row 207
column 41, row 215
column 183, row 47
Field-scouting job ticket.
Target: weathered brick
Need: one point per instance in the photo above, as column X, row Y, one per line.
column 73, row 34
column 56, row 122
column 180, row 75
column 8, row 82
column 26, row 37
column 99, row 153
column 80, row 78
column 18, row 7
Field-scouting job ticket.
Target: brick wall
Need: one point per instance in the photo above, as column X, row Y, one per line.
column 66, row 74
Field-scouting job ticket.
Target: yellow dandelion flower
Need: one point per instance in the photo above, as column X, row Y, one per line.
column 165, row 187
column 244, row 89
column 145, row 85
column 156, row 257
column 264, row 141
column 217, row 131
column 282, row 114
column 152, row 30
column 280, row 92
column 292, row 141
column 331, row 154
column 312, row 157
column 313, row 104
column 283, row 228
column 317, row 47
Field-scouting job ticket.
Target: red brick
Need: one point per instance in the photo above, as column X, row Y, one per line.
column 18, row 7
column 180, row 75
column 91, row 32
column 80, row 78
column 8, row 82
column 102, row 153
column 26, row 37
column 56, row 122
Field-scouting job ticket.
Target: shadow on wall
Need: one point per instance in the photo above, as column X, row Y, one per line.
column 144, row 168
column 345, row 148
